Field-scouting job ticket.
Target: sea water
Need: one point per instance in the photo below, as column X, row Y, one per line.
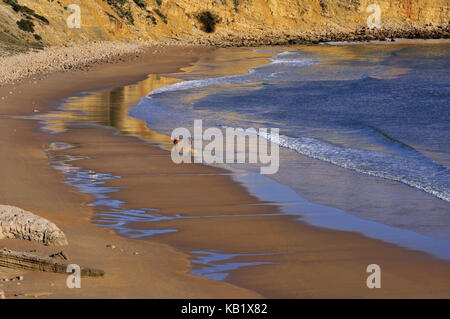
column 364, row 127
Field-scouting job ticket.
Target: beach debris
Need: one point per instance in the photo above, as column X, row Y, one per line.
column 2, row 294
column 136, row 253
column 20, row 224
column 60, row 254
column 32, row 261
column 18, row 278
column 111, row 246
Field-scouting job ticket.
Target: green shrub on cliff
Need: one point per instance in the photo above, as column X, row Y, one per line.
column 161, row 15
column 141, row 4
column 236, row 5
column 26, row 25
column 25, row 10
column 122, row 8
column 208, row 21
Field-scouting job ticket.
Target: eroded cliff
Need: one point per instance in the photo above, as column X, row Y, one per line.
column 44, row 22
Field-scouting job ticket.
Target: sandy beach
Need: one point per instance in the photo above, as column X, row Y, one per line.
column 321, row 263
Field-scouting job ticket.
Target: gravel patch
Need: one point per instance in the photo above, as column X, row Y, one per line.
column 53, row 59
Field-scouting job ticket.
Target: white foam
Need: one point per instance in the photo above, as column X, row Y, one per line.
column 292, row 62
column 424, row 174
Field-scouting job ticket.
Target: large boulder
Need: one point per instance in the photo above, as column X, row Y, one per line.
column 20, row 224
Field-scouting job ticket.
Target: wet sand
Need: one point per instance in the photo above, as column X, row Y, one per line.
column 296, row 260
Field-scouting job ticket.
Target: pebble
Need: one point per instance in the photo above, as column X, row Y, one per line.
column 111, row 246
column 54, row 59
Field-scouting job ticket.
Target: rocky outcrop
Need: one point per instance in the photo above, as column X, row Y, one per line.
column 20, row 224
column 43, row 22
column 314, row 37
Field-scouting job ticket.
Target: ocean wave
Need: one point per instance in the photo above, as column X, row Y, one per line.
column 390, row 141
column 409, row 166
column 419, row 172
column 265, row 72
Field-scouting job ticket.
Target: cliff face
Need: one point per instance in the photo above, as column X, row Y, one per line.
column 163, row 20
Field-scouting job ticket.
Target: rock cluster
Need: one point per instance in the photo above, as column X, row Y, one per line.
column 20, row 224
column 252, row 39
column 16, row 278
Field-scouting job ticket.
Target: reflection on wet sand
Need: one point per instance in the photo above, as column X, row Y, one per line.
column 107, row 108
column 110, row 109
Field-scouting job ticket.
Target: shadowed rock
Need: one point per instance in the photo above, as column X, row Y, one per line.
column 20, row 224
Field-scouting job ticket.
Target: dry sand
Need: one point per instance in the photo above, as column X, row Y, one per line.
column 320, row 263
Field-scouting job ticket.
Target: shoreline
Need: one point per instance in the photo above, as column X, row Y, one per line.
column 138, row 197
column 18, row 67
column 362, row 34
